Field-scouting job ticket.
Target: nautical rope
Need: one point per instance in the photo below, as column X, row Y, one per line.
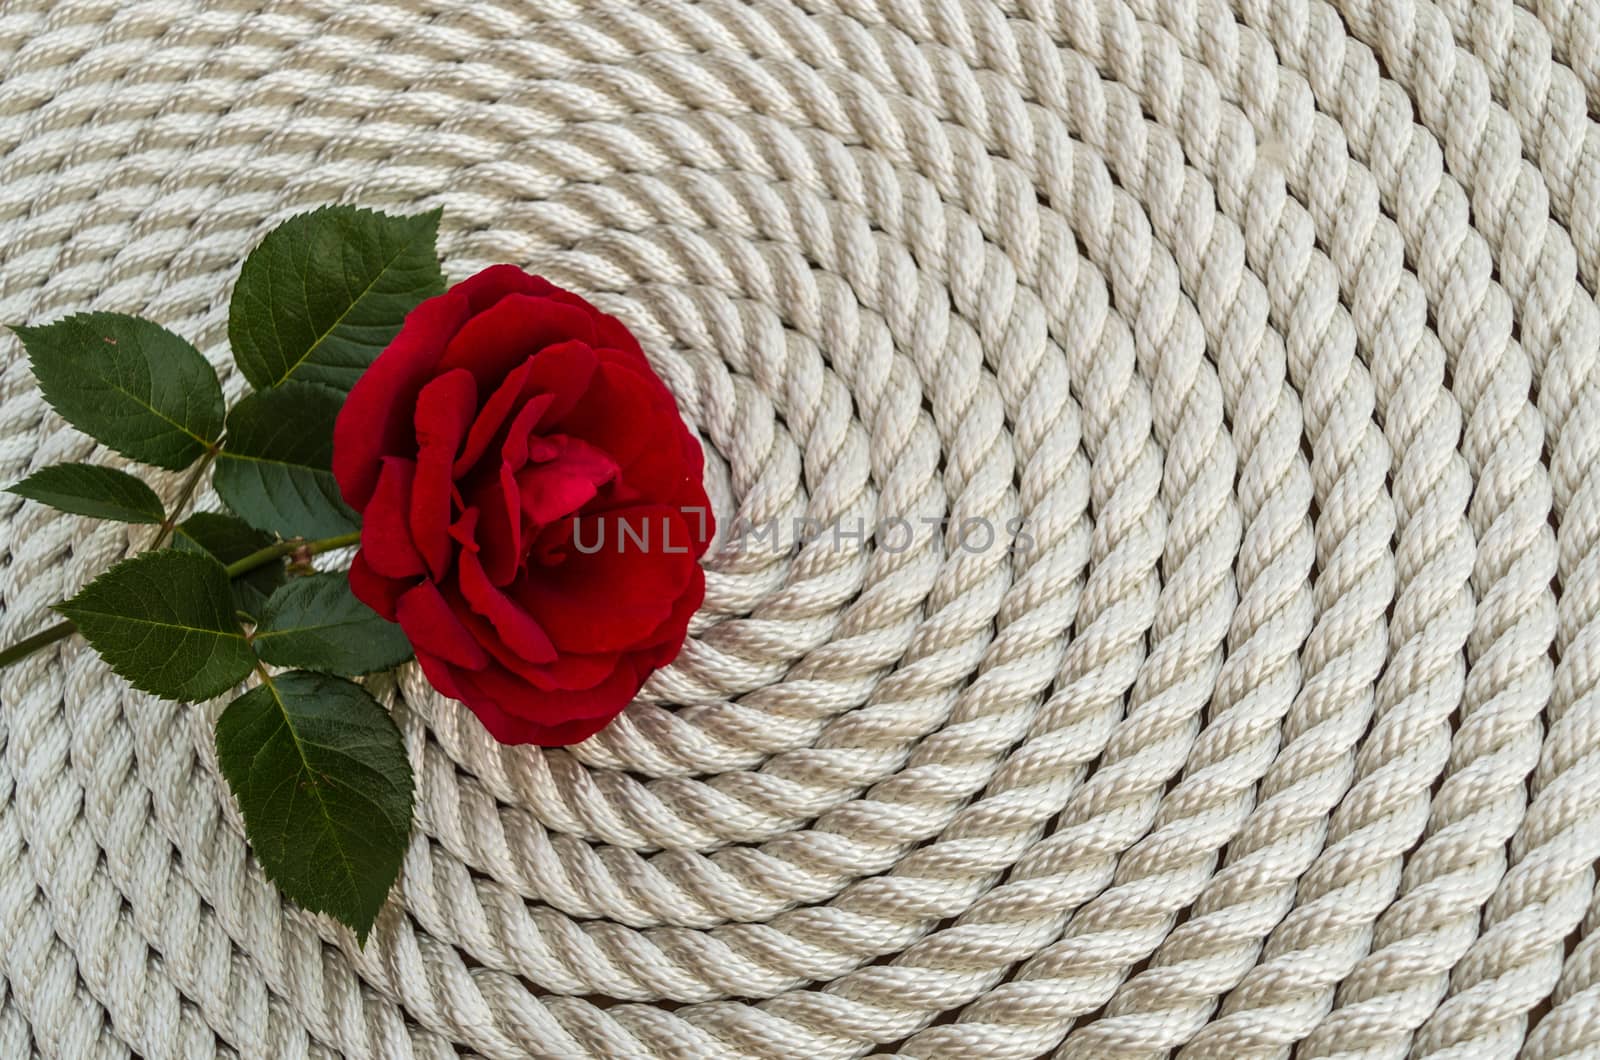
column 1272, row 325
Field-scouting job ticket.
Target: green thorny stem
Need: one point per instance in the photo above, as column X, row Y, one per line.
column 190, row 484
column 259, row 558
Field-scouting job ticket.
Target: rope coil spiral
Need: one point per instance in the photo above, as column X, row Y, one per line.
column 1273, row 322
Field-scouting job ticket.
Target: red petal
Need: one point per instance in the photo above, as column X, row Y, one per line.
column 618, row 413
column 505, row 727
column 431, row 626
column 574, row 672
column 514, row 447
column 538, row 391
column 444, row 412
column 571, row 672
column 514, row 625
column 375, row 420
column 565, row 372
column 499, row 528
column 562, row 673
column 484, row 288
column 670, row 468
column 513, row 696
column 675, row 627
column 567, row 479
column 373, row 589
column 548, row 493
column 465, row 530
column 610, row 331
column 440, row 674
column 508, row 729
column 621, row 591
column 635, row 362
column 495, row 341
column 694, row 457
column 493, row 415
column 385, row 531
column 660, row 474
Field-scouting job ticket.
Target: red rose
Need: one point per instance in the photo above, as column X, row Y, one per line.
column 532, row 502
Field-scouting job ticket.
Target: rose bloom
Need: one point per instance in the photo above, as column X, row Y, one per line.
column 533, row 512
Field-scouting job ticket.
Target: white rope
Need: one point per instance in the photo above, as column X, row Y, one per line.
column 1272, row 321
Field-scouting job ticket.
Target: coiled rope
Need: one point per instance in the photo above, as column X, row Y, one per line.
column 1273, row 322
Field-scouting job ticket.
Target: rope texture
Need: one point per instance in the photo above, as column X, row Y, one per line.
column 1272, row 321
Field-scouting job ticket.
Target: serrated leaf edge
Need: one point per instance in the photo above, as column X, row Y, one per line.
column 23, row 331
column 364, row 924
column 434, row 215
column 74, row 614
column 147, row 516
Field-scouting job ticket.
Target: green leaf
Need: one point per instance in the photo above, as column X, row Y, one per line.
column 129, row 383
column 326, row 291
column 277, row 471
column 164, row 621
column 316, row 623
column 321, row 775
column 99, row 492
column 230, row 539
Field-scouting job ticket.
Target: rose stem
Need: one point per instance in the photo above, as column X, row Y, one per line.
column 260, row 558
column 170, row 523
